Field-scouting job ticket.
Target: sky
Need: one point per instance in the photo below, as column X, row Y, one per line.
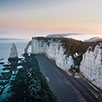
column 27, row 18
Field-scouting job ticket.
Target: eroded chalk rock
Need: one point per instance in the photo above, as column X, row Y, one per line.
column 13, row 53
column 91, row 65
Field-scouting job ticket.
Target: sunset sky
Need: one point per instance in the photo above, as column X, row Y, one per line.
column 26, row 18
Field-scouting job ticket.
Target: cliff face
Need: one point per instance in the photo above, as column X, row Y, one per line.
column 13, row 53
column 69, row 53
column 53, row 50
column 91, row 65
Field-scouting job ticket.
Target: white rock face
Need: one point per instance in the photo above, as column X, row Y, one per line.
column 53, row 50
column 13, row 53
column 91, row 65
column 27, row 46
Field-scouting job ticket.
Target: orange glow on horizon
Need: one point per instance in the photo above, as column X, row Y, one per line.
column 63, row 29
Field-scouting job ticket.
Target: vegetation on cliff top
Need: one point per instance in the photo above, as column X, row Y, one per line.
column 70, row 45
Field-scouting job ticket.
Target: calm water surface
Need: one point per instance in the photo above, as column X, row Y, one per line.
column 5, row 46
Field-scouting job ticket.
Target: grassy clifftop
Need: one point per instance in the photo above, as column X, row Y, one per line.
column 70, row 45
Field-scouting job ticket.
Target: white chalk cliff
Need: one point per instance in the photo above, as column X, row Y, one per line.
column 13, row 53
column 53, row 50
column 91, row 65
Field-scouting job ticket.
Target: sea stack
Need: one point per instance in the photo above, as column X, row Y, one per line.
column 13, row 54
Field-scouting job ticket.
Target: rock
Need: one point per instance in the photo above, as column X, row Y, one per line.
column 1, row 62
column 13, row 59
column 1, row 88
column 53, row 49
column 91, row 65
column 6, row 75
column 26, row 49
column 13, row 53
column 8, row 68
column 3, row 82
column 19, row 67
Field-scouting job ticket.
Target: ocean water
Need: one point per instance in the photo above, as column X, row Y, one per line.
column 6, row 44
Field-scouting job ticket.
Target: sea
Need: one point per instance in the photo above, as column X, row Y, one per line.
column 6, row 44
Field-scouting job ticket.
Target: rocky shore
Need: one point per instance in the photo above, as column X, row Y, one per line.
column 22, row 81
